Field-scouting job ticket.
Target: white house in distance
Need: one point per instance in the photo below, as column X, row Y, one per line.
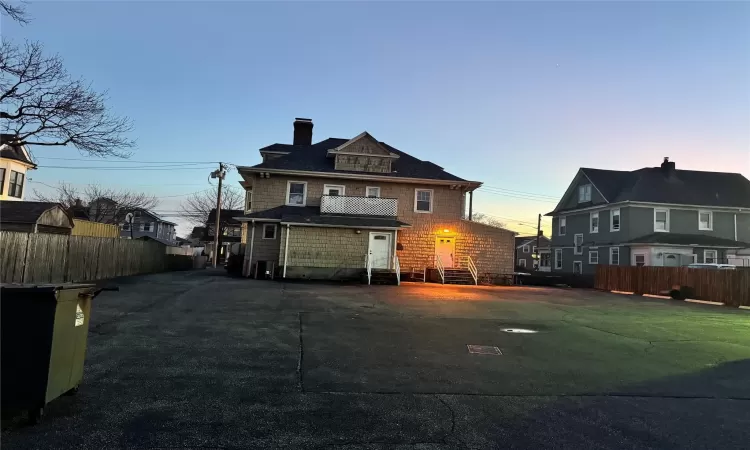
column 15, row 161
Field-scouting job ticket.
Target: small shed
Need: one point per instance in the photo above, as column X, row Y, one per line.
column 35, row 217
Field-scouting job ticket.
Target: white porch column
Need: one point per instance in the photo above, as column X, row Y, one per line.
column 249, row 258
column 286, row 251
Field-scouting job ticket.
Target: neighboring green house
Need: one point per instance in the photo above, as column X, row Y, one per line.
column 655, row 216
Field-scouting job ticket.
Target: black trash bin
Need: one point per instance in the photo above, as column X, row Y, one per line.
column 44, row 331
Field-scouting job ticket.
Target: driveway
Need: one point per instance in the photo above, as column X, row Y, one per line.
column 199, row 360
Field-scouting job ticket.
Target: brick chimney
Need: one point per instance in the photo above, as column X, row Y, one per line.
column 303, row 129
column 668, row 167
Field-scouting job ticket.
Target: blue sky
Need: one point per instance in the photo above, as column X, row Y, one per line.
column 517, row 95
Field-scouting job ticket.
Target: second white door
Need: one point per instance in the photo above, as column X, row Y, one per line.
column 380, row 250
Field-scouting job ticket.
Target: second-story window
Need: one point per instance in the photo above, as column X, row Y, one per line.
column 248, row 201
column 595, row 222
column 661, row 219
column 269, row 231
column 525, row 248
column 372, row 191
column 584, row 193
column 296, row 193
column 705, row 220
column 614, row 219
column 2, row 181
column 147, row 226
column 562, row 225
column 334, row 189
column 423, row 200
column 15, row 188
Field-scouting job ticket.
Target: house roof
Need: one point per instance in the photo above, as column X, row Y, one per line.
column 227, row 216
column 16, row 152
column 523, row 240
column 25, row 212
column 682, row 187
column 159, row 240
column 311, row 215
column 313, row 158
column 697, row 240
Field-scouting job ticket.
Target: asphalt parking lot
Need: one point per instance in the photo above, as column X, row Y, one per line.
column 200, row 360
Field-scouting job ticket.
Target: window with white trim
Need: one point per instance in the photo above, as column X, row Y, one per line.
column 584, row 193
column 710, row 256
column 705, row 220
column 296, row 193
column 372, row 192
column 147, row 226
column 533, row 249
column 334, row 189
column 661, row 219
column 594, row 222
column 269, row 231
column 577, row 267
column 525, row 248
column 15, row 186
column 562, row 225
column 2, row 180
column 248, row 201
column 423, row 200
column 614, row 256
column 639, row 259
column 594, row 256
column 578, row 243
column 614, row 220
column 522, row 263
column 558, row 258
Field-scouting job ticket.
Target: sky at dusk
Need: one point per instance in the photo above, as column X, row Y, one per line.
column 516, row 95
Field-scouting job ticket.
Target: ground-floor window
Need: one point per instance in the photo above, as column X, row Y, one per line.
column 710, row 256
column 640, row 259
column 614, row 256
column 594, row 257
column 522, row 263
column 544, row 260
column 558, row 258
column 577, row 267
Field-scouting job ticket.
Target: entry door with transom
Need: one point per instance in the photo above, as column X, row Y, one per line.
column 445, row 248
column 380, row 250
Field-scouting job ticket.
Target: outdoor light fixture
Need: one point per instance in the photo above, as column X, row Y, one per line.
column 446, row 231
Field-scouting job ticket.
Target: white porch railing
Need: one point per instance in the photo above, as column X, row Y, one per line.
column 368, row 267
column 360, row 206
column 397, row 268
column 440, row 268
column 472, row 268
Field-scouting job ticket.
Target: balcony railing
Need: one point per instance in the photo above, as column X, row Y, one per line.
column 359, row 206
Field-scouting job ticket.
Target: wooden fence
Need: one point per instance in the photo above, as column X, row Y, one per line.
column 53, row 258
column 731, row 287
column 89, row 228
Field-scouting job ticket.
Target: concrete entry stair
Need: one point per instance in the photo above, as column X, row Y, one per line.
column 383, row 276
column 458, row 276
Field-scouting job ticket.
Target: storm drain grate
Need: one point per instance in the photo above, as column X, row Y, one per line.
column 484, row 350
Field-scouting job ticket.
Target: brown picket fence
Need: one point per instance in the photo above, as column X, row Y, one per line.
column 731, row 287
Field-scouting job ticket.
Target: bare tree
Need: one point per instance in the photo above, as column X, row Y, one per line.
column 41, row 104
column 197, row 207
column 487, row 220
column 16, row 11
column 103, row 205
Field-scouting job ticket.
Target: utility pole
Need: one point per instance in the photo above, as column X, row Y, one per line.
column 220, row 175
column 538, row 235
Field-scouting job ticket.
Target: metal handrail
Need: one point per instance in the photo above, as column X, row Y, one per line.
column 397, row 268
column 440, row 268
column 472, row 268
column 368, row 267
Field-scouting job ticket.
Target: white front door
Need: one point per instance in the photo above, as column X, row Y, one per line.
column 445, row 248
column 380, row 250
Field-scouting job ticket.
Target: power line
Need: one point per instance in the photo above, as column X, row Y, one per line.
column 518, row 196
column 171, row 167
column 554, row 197
column 128, row 161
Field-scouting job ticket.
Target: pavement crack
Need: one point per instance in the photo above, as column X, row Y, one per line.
column 300, row 360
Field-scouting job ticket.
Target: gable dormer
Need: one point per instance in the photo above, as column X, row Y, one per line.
column 363, row 154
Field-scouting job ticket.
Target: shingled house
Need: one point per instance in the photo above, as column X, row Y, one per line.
column 654, row 216
column 339, row 207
